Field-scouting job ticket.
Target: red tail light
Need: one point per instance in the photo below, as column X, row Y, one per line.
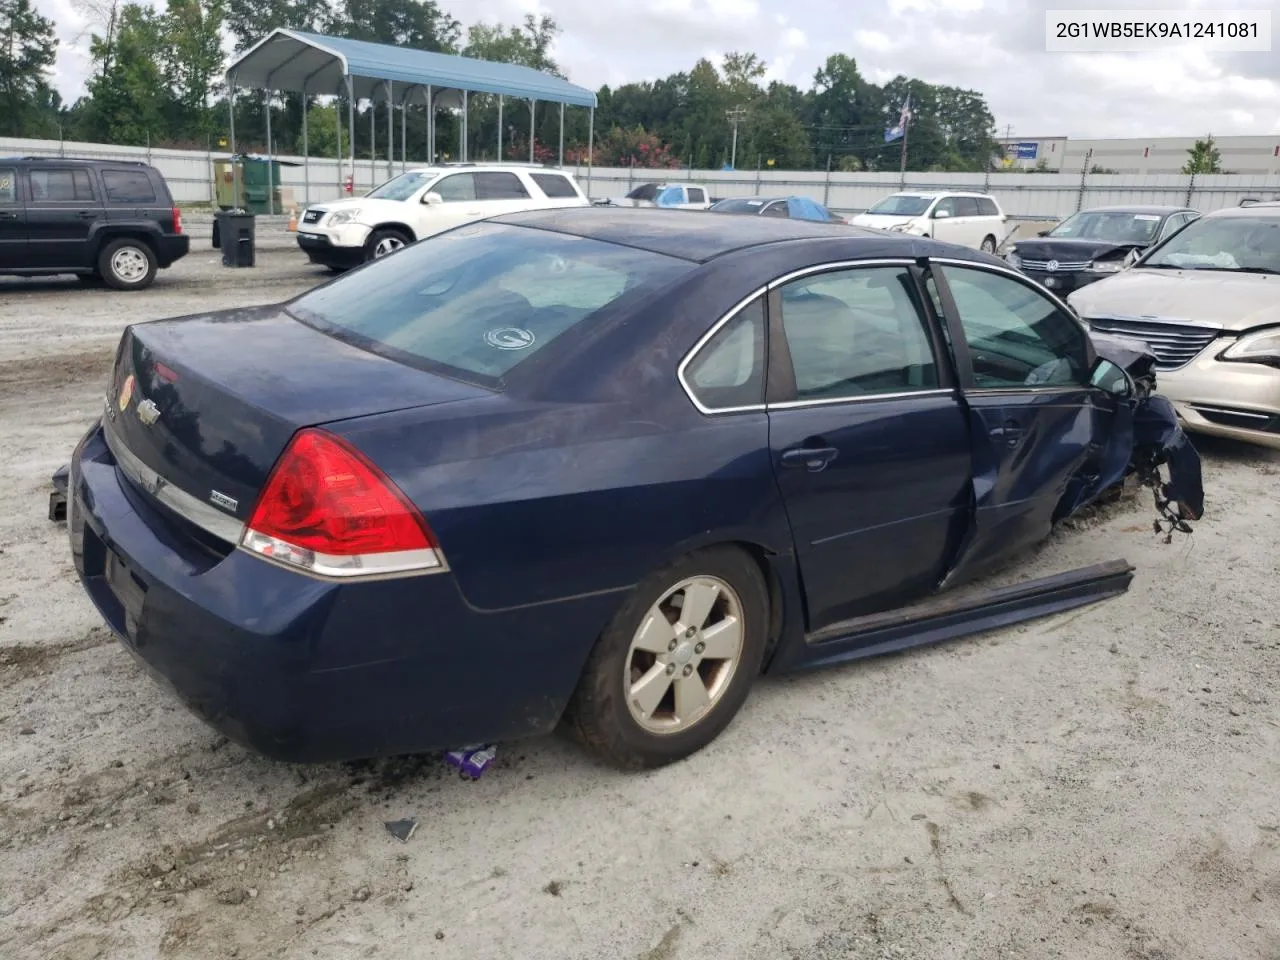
column 177, row 220
column 328, row 510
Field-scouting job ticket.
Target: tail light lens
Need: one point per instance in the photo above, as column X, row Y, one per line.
column 327, row 510
column 177, row 220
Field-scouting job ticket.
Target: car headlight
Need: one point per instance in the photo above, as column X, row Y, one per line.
column 1013, row 260
column 1260, row 347
column 339, row 217
column 1106, row 266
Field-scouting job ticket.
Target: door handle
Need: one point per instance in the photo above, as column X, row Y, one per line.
column 812, row 459
column 1010, row 432
column 88, row 214
column 8, row 216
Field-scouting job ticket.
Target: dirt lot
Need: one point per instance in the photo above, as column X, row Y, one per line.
column 1098, row 785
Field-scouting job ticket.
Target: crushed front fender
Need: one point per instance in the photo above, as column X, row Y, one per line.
column 1159, row 441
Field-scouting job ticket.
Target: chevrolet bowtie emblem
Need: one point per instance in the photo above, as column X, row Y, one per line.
column 148, row 412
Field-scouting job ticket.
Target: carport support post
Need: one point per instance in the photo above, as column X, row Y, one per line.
column 351, row 131
column 431, row 127
column 404, row 132
column 235, row 169
column 499, row 128
column 463, row 151
column 561, row 161
column 337, row 112
column 591, row 142
column 306, row 152
column 373, row 141
column 533, row 119
column 391, row 133
column 271, row 204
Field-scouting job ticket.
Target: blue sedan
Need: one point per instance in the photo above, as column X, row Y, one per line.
column 594, row 466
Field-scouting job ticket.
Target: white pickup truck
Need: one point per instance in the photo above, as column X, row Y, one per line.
column 669, row 195
column 425, row 201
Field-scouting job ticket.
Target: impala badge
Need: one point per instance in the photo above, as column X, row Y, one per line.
column 220, row 499
column 148, row 412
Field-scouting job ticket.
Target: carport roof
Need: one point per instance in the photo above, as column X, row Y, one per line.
column 290, row 60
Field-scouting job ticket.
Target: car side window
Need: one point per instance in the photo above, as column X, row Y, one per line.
column 776, row 209
column 128, row 186
column 1017, row 336
column 729, row 369
column 967, row 207
column 948, row 204
column 987, row 207
column 499, row 186
column 554, row 185
column 697, row 195
column 857, row 332
column 456, row 188
column 58, row 185
column 8, row 185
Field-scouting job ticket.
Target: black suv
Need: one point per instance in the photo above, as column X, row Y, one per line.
column 112, row 221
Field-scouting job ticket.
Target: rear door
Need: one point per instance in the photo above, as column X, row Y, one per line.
column 63, row 207
column 13, row 221
column 503, row 192
column 131, row 194
column 974, row 225
column 868, row 438
column 1024, row 364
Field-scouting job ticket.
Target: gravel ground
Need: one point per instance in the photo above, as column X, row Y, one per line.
column 1097, row 785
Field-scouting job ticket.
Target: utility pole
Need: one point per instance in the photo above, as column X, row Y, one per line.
column 735, row 116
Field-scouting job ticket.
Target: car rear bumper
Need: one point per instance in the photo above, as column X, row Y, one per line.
column 172, row 248
column 1226, row 398
column 307, row 670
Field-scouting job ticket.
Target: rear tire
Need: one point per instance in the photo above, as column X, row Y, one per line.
column 656, row 689
column 383, row 243
column 989, row 244
column 128, row 264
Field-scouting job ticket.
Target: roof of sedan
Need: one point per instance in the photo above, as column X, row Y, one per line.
column 1139, row 208
column 690, row 235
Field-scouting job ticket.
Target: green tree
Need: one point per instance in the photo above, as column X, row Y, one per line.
column 322, row 132
column 419, row 24
column 1203, row 157
column 528, row 44
column 194, row 62
column 130, row 99
column 27, row 51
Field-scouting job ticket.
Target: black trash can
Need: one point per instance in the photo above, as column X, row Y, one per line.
column 234, row 231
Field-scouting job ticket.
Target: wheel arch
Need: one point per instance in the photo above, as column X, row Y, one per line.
column 112, row 232
column 399, row 227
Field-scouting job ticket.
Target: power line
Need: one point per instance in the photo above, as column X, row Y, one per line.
column 735, row 116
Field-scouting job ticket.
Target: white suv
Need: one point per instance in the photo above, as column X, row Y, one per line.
column 969, row 219
column 426, row 201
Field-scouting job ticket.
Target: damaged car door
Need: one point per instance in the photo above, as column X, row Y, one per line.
column 1024, row 366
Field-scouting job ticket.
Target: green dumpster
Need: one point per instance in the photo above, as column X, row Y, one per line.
column 258, row 180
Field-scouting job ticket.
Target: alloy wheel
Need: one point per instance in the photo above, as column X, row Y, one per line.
column 387, row 245
column 129, row 264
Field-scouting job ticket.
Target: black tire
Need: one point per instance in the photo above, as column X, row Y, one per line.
column 128, row 264
column 598, row 713
column 989, row 244
column 379, row 239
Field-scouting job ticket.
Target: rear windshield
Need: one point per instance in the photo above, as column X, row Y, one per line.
column 480, row 300
column 738, row 206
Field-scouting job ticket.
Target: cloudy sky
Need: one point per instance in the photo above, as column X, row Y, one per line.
column 995, row 46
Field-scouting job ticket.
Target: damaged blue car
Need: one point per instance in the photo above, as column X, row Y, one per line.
column 599, row 468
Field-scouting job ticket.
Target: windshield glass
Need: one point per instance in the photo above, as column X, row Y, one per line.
column 738, row 206
column 1111, row 226
column 481, row 299
column 1222, row 243
column 402, row 187
column 646, row 191
column 901, row 205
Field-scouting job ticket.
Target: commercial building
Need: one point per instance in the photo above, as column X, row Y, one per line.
column 1156, row 155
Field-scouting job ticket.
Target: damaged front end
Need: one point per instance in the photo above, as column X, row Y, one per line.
column 1146, row 427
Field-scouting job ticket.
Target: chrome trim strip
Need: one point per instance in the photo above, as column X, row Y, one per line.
column 1203, row 408
column 203, row 515
column 326, row 566
column 861, row 398
column 746, row 301
column 1148, row 320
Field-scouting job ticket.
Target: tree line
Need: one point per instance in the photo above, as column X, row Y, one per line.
column 158, row 78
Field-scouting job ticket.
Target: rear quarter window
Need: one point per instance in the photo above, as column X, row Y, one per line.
column 554, row 185
column 987, row 207
column 128, row 186
column 8, row 185
column 480, row 300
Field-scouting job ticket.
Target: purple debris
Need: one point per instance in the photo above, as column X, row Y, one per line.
column 472, row 762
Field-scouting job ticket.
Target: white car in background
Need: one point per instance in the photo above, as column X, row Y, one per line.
column 969, row 219
column 425, row 201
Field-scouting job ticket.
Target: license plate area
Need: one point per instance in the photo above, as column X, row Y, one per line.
column 128, row 588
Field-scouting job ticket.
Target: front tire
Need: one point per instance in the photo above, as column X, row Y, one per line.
column 676, row 663
column 989, row 244
column 383, row 243
column 127, row 264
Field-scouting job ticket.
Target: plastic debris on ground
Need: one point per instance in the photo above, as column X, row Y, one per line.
column 472, row 762
column 402, row 830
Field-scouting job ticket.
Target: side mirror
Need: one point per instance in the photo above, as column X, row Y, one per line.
column 1045, row 232
column 941, row 214
column 1111, row 378
column 432, row 197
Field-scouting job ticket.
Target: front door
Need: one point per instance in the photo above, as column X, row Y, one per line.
column 868, row 440
column 1025, row 364
column 13, row 222
column 63, row 206
column 459, row 204
column 947, row 225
